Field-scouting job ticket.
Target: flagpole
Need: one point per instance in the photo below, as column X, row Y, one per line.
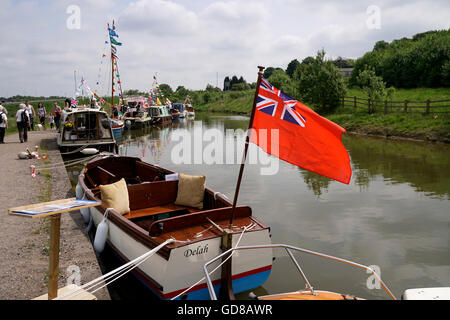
column 247, row 141
column 112, row 73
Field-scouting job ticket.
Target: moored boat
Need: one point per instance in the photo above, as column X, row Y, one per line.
column 181, row 109
column 154, row 217
column 190, row 111
column 175, row 114
column 85, row 127
column 137, row 114
column 160, row 114
column 117, row 126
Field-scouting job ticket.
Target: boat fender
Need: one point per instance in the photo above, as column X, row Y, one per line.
column 128, row 123
column 79, row 192
column 102, row 233
column 89, row 151
column 85, row 212
column 90, row 224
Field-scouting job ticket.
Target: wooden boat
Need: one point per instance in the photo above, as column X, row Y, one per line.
column 154, row 218
column 137, row 114
column 160, row 114
column 85, row 127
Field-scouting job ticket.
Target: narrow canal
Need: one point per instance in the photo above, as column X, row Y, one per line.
column 394, row 215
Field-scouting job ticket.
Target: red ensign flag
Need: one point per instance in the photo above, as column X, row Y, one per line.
column 291, row 131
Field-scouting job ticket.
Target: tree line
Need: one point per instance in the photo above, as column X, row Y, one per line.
column 422, row 61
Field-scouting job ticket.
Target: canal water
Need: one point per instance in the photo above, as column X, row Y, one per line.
column 394, row 215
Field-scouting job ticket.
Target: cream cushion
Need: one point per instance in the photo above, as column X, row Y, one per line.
column 191, row 190
column 115, row 196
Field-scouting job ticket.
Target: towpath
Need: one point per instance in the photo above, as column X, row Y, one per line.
column 24, row 242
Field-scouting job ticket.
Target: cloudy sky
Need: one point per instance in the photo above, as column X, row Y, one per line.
column 189, row 42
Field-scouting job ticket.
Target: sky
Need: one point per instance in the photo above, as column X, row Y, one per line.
column 189, row 42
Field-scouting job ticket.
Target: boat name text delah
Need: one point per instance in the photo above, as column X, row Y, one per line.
column 199, row 250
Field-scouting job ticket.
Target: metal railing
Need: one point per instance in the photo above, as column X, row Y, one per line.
column 288, row 249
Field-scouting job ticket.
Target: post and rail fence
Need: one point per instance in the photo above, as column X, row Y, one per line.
column 391, row 106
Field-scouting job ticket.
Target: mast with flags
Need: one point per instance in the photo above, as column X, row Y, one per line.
column 114, row 66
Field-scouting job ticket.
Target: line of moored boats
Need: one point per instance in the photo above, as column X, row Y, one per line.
column 92, row 128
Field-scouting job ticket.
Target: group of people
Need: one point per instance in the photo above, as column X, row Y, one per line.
column 25, row 119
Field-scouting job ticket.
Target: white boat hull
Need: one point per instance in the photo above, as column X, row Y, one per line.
column 184, row 268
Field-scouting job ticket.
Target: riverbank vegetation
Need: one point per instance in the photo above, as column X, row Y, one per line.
column 415, row 70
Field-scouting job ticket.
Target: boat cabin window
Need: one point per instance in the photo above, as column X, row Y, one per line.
column 153, row 112
column 86, row 126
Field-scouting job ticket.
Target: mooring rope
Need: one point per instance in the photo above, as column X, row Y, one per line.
column 65, row 163
column 114, row 274
column 76, row 150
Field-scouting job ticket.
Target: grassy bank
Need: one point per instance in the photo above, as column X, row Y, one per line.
column 415, row 126
column 432, row 127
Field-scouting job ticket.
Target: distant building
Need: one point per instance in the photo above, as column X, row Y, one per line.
column 346, row 72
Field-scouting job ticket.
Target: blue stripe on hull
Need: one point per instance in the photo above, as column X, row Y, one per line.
column 239, row 285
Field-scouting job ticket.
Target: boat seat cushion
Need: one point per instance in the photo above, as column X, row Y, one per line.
column 191, row 190
column 115, row 196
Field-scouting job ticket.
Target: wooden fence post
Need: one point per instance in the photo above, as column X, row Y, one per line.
column 354, row 104
column 405, row 109
column 368, row 105
column 385, row 107
column 427, row 110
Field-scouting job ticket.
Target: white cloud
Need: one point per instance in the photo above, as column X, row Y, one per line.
column 187, row 42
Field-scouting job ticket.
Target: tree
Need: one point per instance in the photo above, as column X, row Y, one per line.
column 308, row 60
column 380, row 45
column 268, row 72
column 282, row 81
column 322, row 84
column 342, row 63
column 166, row 89
column 234, row 80
column 372, row 85
column 292, row 66
column 181, row 92
column 226, row 84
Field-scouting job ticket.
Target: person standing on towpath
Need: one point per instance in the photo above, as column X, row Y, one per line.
column 3, row 125
column 31, row 114
column 23, row 122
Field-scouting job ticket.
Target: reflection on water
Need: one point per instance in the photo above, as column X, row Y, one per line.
column 393, row 214
column 425, row 167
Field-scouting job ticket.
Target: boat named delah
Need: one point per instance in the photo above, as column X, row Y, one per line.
column 154, row 212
